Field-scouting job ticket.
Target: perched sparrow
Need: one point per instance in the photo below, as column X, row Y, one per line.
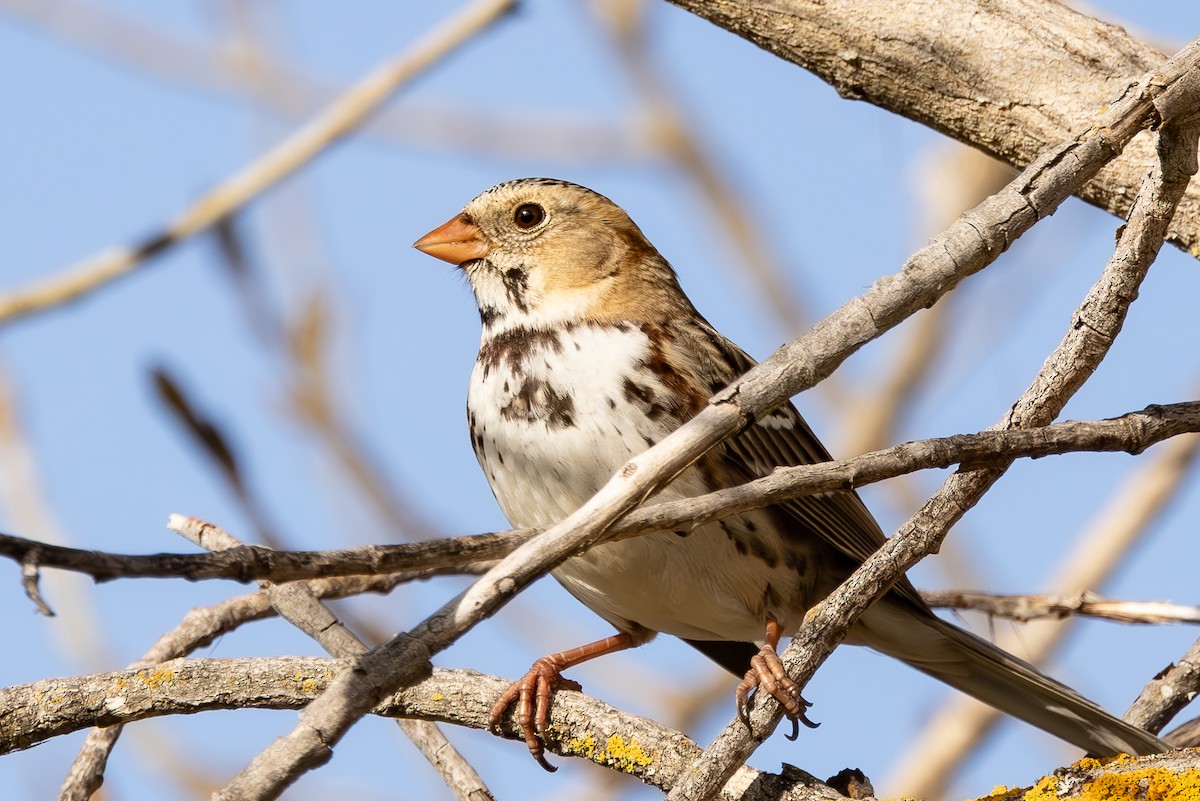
column 591, row 353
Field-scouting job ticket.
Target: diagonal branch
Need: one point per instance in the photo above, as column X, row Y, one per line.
column 1009, row 77
column 1094, row 327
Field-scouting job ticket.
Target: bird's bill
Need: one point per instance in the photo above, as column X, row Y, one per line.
column 457, row 241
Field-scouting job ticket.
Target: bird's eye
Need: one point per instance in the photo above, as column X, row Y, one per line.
column 528, row 215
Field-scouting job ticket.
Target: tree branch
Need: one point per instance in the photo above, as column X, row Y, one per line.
column 1093, row 329
column 1131, row 433
column 580, row 726
column 1010, row 77
column 1024, row 608
column 1170, row 691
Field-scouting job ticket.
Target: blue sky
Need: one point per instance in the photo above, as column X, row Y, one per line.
column 95, row 151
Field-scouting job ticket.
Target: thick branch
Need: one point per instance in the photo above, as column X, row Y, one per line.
column 1010, row 77
column 580, row 726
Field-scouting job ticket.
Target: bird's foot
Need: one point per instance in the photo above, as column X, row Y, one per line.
column 532, row 696
column 766, row 673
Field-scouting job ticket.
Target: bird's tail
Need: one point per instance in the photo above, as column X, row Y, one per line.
column 999, row 679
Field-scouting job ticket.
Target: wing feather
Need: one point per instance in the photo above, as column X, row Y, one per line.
column 783, row 439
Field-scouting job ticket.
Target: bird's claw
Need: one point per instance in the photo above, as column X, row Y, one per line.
column 532, row 696
column 766, row 673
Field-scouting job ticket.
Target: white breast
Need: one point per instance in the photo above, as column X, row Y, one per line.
column 552, row 420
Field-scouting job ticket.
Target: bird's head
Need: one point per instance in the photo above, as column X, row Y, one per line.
column 539, row 252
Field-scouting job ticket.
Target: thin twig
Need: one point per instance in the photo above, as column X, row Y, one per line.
column 340, row 118
column 1024, row 608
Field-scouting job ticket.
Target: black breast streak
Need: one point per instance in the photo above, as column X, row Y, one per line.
column 536, row 401
column 748, row 542
column 644, row 398
column 516, row 346
column 516, row 284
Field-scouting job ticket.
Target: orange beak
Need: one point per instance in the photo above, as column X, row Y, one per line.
column 457, row 241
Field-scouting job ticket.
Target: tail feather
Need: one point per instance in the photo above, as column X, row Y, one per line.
column 999, row 679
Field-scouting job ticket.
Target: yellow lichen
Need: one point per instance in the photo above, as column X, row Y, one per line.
column 438, row 696
column 626, row 755
column 584, row 746
column 159, row 676
column 616, row 752
column 1148, row 784
column 1045, row 790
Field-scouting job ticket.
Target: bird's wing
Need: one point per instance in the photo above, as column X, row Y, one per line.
column 783, row 438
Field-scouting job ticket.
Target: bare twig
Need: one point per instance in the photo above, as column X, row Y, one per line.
column 1168, row 693
column 1024, row 608
column 341, row 117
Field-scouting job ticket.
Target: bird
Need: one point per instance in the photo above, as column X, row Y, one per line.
column 590, row 354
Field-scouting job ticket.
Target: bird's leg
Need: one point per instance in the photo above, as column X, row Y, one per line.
column 532, row 693
column 766, row 672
